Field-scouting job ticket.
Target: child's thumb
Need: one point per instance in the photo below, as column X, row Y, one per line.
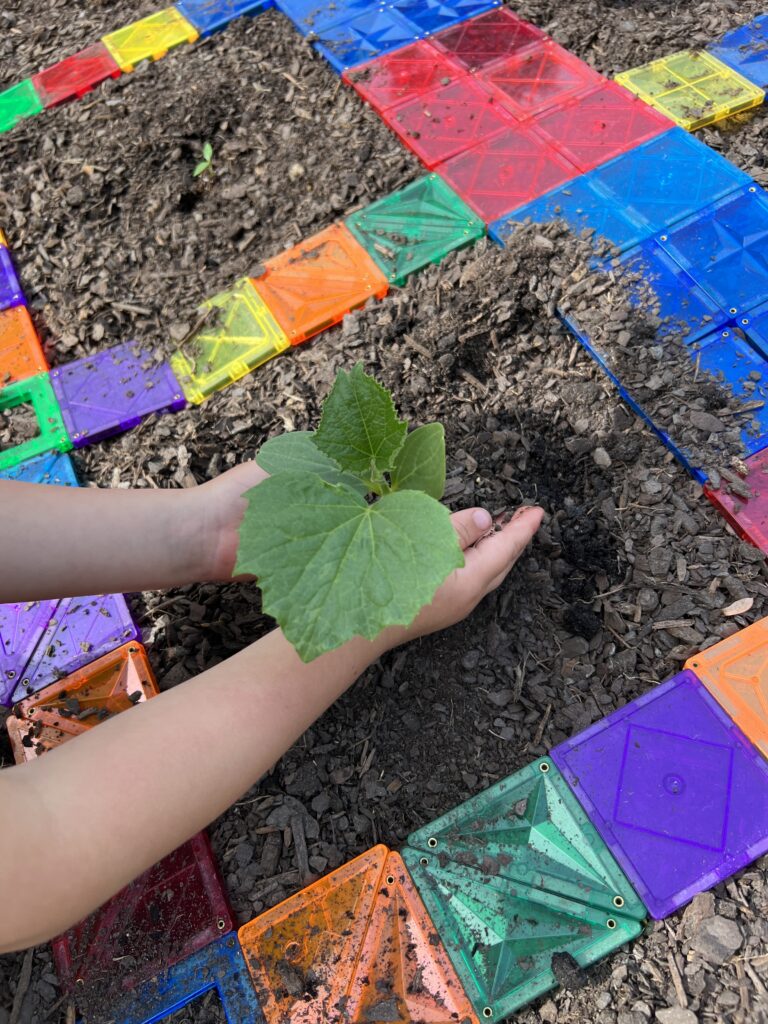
column 471, row 524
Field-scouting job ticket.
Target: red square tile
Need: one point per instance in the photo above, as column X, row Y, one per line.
column 532, row 82
column 76, row 75
column 446, row 121
column 598, row 126
column 478, row 41
column 746, row 512
column 402, row 75
column 506, row 172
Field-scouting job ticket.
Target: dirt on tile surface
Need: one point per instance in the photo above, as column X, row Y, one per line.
column 631, row 572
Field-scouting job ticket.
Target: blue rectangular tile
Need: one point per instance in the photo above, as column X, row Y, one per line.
column 755, row 327
column 432, row 15
column 51, row 468
column 318, row 15
column 209, row 16
column 744, row 372
column 365, row 37
column 745, row 49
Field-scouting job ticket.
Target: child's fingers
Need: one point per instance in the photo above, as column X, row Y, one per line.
column 497, row 553
column 470, row 524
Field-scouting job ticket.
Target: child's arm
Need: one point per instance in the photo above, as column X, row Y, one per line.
column 89, row 816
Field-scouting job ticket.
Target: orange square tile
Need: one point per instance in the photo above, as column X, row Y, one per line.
column 313, row 285
column 74, row 704
column 735, row 672
column 21, row 354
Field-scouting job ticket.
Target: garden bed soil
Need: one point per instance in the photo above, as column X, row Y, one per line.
column 631, row 572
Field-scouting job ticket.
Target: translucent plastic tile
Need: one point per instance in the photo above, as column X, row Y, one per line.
column 531, row 82
column 433, row 15
column 755, row 326
column 239, row 334
column 724, row 248
column 488, row 37
column 447, row 121
column 315, row 284
column 506, row 172
column 10, row 289
column 21, row 628
column 675, row 789
column 209, row 16
column 598, row 126
column 745, row 49
column 75, row 76
column 112, row 391
column 149, row 38
column 80, row 630
column 402, row 75
column 692, row 87
column 746, row 505
column 743, row 372
column 51, row 436
column 514, row 877
column 75, row 704
column 21, row 354
column 18, row 102
column 51, row 468
column 419, row 225
column 219, row 968
column 379, row 30
column 318, row 15
column 169, row 913
column 302, row 953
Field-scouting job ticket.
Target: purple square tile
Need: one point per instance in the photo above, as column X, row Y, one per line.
column 21, row 628
column 10, row 289
column 80, row 631
column 113, row 391
column 674, row 788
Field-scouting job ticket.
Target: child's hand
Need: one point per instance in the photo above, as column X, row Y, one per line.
column 223, row 507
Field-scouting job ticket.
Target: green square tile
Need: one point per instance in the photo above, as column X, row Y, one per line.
column 18, row 102
column 419, row 225
column 52, row 434
column 514, row 876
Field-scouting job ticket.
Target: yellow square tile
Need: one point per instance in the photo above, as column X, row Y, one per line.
column 150, row 38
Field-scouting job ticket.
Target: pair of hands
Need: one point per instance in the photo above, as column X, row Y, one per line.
column 488, row 556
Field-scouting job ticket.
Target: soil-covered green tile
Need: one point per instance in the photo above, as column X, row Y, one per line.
column 414, row 227
column 36, row 395
column 18, row 102
column 516, row 876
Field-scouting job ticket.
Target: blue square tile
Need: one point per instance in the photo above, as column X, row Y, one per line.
column 755, row 326
column 745, row 49
column 10, row 289
column 432, row 15
column 51, row 468
column 725, row 249
column 744, row 372
column 365, row 37
column 319, row 15
column 209, row 16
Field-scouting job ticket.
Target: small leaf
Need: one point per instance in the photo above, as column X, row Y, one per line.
column 207, row 151
column 202, row 166
column 359, row 428
column 331, row 566
column 297, row 452
column 739, row 607
column 420, row 463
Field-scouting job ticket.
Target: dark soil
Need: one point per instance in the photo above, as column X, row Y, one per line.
column 628, row 576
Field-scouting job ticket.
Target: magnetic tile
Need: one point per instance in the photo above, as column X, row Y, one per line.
column 3, row 240
column 692, row 88
column 743, row 371
column 170, row 912
column 433, row 15
column 724, row 248
column 595, row 127
column 745, row 49
column 675, row 789
column 75, row 76
column 514, row 876
column 51, row 468
column 51, row 436
column 149, row 38
column 402, row 75
column 302, row 953
column 544, row 76
column 313, row 285
column 442, row 123
column 112, row 391
column 80, row 630
column 10, row 289
column 22, row 626
column 755, row 326
column 238, row 334
column 217, row 967
column 349, row 43
column 506, row 172
column 745, row 506
column 209, row 16
column 75, row 704
column 488, row 37
column 318, row 15
column 18, row 102
column 21, row 355
column 410, row 229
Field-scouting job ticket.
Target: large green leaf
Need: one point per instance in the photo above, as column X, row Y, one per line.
column 420, row 463
column 331, row 566
column 297, row 452
column 359, row 428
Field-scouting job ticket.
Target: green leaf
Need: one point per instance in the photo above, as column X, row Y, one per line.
column 207, row 151
column 202, row 166
column 331, row 566
column 359, row 428
column 420, row 463
column 297, row 452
